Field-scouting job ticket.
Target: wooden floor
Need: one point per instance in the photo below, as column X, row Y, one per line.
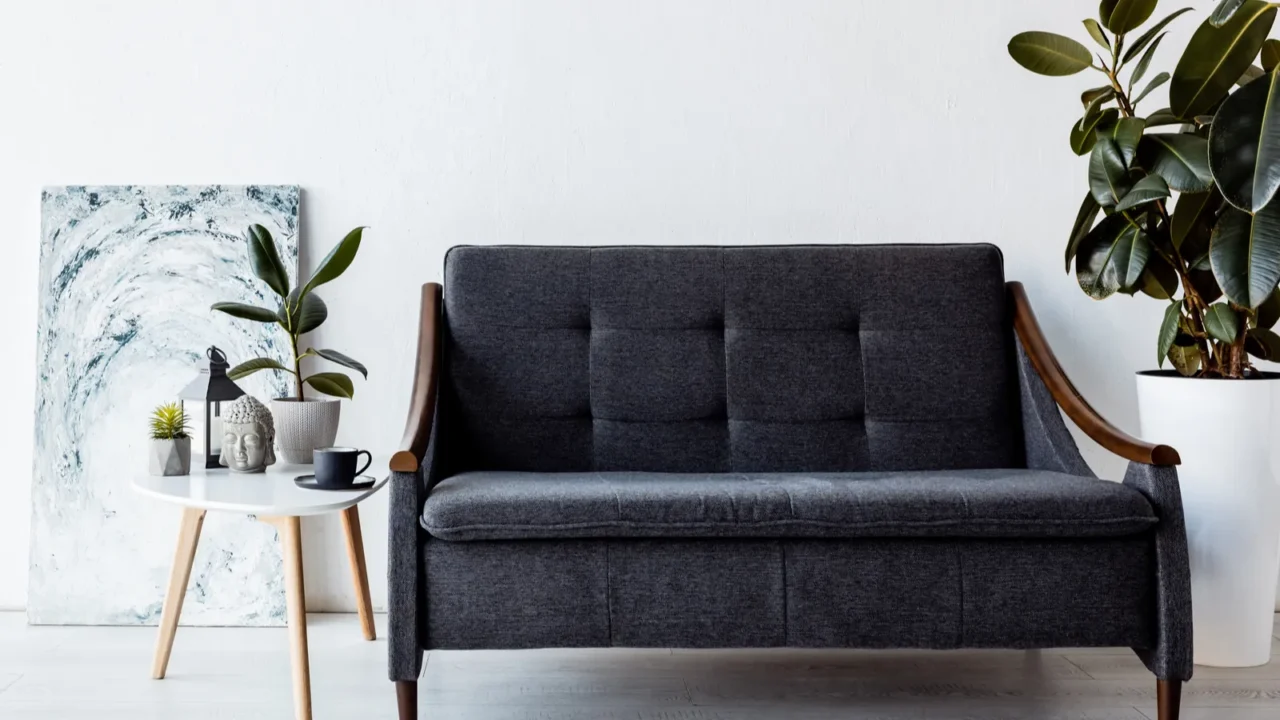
column 222, row 674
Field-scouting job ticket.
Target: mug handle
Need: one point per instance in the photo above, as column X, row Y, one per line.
column 367, row 463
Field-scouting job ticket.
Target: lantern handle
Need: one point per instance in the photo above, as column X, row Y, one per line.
column 216, row 356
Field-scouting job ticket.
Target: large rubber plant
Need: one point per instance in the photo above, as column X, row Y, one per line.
column 1181, row 199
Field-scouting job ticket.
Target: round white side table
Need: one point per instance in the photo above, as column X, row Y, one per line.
column 274, row 499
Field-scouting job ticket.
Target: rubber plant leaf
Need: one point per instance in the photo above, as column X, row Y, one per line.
column 1245, row 254
column 1181, row 159
column 1049, row 53
column 265, row 261
column 1244, row 144
column 1111, row 258
column 1218, row 56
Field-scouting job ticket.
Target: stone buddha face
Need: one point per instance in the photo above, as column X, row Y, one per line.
column 244, row 447
column 248, row 436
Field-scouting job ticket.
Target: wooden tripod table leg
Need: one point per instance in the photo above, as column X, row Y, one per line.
column 290, row 530
column 359, row 574
column 179, row 574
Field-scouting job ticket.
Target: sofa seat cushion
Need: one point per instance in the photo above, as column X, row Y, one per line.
column 494, row 505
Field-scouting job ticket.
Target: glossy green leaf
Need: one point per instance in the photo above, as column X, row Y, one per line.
column 1093, row 101
column 337, row 261
column 249, row 367
column 1089, row 98
column 1217, row 56
column 344, row 360
column 1108, row 176
column 1111, row 257
column 1269, row 311
column 1156, row 82
column 1162, row 117
column 1270, row 55
column 1140, row 69
column 1181, row 159
column 265, row 261
column 1168, row 331
column 1221, row 323
column 1159, row 279
column 1049, row 54
column 1193, row 214
column 245, row 312
column 1148, row 189
column 1122, row 16
column 1083, row 138
column 1145, row 38
column 331, row 383
column 1088, row 213
column 1096, row 32
column 1223, row 12
column 307, row 315
column 1185, row 359
column 1245, row 253
column 1244, row 144
column 1127, row 133
column 1262, row 343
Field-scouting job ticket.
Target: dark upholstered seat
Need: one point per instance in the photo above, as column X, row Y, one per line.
column 944, row 503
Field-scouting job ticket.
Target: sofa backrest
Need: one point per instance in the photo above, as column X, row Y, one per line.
column 719, row 359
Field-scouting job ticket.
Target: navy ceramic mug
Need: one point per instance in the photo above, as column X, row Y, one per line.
column 336, row 466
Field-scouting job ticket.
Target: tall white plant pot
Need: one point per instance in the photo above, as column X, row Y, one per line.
column 1224, row 430
column 303, row 427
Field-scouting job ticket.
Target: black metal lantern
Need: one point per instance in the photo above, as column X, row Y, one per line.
column 212, row 387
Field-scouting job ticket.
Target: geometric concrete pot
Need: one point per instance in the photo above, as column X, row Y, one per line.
column 1224, row 430
column 171, row 457
column 302, row 427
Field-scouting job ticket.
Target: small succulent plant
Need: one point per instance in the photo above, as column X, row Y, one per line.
column 168, row 422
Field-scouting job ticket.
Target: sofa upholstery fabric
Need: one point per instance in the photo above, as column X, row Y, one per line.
column 497, row 505
column 756, row 359
column 706, row 593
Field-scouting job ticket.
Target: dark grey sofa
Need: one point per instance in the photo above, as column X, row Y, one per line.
column 809, row 446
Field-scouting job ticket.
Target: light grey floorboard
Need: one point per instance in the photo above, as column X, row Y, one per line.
column 231, row 673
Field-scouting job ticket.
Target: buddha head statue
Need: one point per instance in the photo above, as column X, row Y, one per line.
column 248, row 436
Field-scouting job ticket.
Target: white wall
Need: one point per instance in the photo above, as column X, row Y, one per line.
column 476, row 121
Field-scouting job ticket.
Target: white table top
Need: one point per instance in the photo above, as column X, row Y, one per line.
column 269, row 493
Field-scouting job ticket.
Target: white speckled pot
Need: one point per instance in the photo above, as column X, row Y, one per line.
column 302, row 427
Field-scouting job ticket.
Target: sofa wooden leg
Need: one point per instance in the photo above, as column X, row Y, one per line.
column 407, row 699
column 1168, row 699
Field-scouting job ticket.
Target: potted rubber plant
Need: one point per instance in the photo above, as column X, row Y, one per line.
column 170, row 444
column 303, row 423
column 1181, row 206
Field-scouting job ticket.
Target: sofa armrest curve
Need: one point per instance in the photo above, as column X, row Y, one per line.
column 1068, row 398
column 426, row 381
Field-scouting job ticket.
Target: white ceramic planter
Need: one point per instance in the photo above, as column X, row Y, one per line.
column 170, row 457
column 1224, row 431
column 302, row 427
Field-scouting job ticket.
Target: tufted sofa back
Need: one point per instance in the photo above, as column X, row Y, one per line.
column 720, row 359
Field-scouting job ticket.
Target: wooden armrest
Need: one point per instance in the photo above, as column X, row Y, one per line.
column 1069, row 399
column 426, row 381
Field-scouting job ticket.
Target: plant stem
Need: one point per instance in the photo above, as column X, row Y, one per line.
column 1121, row 97
column 1195, row 305
column 297, row 365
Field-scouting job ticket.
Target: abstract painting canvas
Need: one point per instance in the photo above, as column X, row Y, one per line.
column 127, row 275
